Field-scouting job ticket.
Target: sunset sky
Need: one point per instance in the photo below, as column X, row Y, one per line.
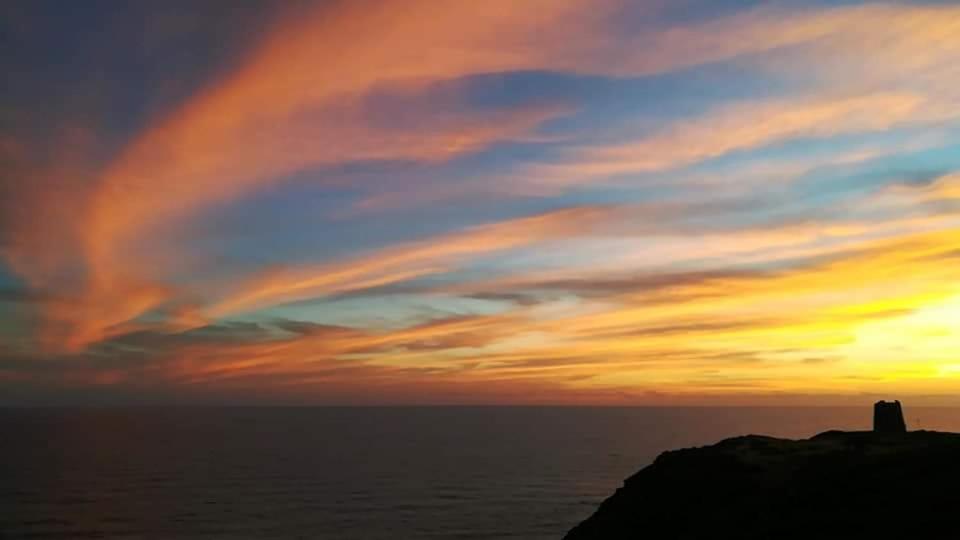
column 463, row 202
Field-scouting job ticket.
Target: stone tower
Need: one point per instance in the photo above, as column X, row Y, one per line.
column 888, row 417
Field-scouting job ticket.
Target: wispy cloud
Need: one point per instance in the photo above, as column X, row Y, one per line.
column 618, row 238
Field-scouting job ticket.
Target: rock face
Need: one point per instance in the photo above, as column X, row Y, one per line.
column 888, row 417
column 834, row 485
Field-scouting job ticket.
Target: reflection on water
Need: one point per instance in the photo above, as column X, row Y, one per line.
column 352, row 473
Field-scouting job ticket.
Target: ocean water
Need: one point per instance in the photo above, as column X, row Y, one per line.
column 352, row 473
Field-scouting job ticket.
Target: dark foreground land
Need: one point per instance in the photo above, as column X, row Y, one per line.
column 834, row 485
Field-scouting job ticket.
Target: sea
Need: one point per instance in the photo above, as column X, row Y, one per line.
column 364, row 473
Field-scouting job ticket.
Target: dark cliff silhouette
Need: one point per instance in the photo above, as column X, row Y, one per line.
column 888, row 483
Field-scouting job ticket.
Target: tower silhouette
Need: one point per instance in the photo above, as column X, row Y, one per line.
column 888, row 417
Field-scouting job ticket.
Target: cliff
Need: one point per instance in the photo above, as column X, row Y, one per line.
column 834, row 485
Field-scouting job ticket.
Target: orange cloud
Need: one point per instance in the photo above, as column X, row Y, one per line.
column 404, row 262
column 149, row 187
column 666, row 336
column 296, row 102
column 903, row 57
column 734, row 335
column 745, row 126
column 810, row 329
column 942, row 193
column 267, row 118
column 735, row 128
column 293, row 104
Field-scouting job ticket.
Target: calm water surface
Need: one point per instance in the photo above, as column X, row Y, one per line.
column 352, row 473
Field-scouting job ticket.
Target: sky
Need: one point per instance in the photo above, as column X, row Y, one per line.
column 603, row 202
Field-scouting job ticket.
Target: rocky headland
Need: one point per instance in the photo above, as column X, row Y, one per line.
column 886, row 483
